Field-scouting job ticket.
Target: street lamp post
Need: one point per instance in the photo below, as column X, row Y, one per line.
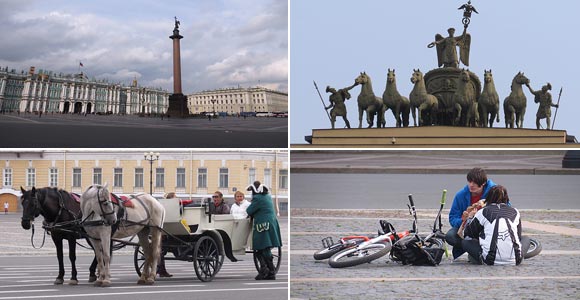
column 213, row 102
column 151, row 157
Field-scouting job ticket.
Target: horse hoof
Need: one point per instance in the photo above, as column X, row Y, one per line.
column 92, row 278
column 59, row 281
column 73, row 282
column 98, row 283
column 106, row 283
column 145, row 282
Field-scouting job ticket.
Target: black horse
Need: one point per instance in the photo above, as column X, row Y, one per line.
column 62, row 215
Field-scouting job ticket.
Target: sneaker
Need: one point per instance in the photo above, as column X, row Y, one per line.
column 473, row 260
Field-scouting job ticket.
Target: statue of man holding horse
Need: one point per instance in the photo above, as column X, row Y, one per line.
column 545, row 99
column 337, row 99
column 446, row 52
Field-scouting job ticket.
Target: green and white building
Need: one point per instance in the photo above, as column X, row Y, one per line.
column 47, row 92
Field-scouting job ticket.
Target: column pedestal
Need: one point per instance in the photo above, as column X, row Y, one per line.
column 178, row 106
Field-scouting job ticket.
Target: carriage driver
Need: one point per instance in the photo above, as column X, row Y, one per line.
column 266, row 230
column 478, row 185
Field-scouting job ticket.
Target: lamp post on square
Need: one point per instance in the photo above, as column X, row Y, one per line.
column 151, row 157
column 213, row 102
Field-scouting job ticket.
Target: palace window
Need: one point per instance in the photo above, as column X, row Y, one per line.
column 159, row 177
column 283, row 179
column 139, row 177
column 252, row 175
column 53, row 177
column 224, row 178
column 180, row 177
column 7, row 182
column 77, row 177
column 268, row 177
column 97, row 175
column 118, row 179
column 31, row 177
column 202, row 178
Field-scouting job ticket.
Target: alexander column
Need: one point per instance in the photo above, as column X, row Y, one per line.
column 177, row 101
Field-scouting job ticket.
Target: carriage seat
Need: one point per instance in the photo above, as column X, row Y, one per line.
column 76, row 197
column 122, row 200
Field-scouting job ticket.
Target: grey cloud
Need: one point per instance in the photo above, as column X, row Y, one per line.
column 214, row 54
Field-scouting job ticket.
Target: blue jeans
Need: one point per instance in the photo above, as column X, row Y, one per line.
column 454, row 240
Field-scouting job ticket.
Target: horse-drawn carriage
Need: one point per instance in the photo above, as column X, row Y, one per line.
column 191, row 234
column 197, row 235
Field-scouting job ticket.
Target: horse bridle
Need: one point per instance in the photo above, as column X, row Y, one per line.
column 104, row 202
column 36, row 210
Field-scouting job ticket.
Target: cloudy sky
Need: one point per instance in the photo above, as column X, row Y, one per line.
column 226, row 42
column 333, row 40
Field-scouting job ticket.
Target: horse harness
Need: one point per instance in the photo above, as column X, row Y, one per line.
column 55, row 225
column 121, row 214
column 50, row 227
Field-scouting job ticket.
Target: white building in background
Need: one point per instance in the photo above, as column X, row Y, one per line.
column 234, row 101
column 46, row 91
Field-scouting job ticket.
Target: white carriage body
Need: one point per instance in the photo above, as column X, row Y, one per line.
column 186, row 221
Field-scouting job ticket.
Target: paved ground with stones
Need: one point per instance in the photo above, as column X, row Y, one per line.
column 553, row 274
column 96, row 131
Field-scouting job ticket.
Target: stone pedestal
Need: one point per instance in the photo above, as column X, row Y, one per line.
column 437, row 137
column 178, row 106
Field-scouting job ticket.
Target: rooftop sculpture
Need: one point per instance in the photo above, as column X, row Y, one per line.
column 447, row 95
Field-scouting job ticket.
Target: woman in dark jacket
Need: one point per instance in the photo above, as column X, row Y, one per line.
column 266, row 230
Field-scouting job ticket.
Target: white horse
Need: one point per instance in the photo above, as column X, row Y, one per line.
column 144, row 219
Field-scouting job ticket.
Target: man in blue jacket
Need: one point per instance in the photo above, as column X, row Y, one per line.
column 476, row 189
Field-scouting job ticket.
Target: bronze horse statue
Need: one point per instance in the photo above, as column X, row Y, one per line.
column 465, row 101
column 488, row 103
column 515, row 103
column 392, row 99
column 61, row 213
column 368, row 102
column 426, row 104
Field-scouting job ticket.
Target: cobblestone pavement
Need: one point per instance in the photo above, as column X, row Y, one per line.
column 553, row 274
column 29, row 130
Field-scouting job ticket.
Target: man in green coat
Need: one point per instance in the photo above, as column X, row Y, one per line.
column 266, row 230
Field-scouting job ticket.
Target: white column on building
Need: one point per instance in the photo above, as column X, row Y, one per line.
column 3, row 81
column 25, row 95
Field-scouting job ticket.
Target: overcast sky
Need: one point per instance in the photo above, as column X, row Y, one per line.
column 332, row 41
column 226, row 42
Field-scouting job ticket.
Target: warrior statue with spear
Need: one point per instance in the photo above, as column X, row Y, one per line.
column 337, row 99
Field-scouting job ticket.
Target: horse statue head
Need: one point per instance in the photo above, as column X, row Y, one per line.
column 31, row 207
column 363, row 78
column 391, row 76
column 464, row 75
column 417, row 76
column 487, row 76
column 520, row 79
column 96, row 204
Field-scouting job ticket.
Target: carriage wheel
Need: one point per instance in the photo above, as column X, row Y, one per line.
column 139, row 259
column 207, row 260
column 276, row 255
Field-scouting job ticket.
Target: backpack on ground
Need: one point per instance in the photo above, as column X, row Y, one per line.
column 412, row 250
